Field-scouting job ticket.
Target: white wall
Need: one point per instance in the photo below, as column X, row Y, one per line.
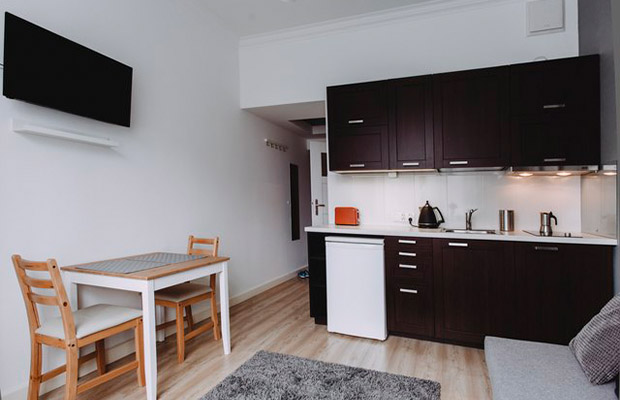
column 295, row 66
column 381, row 200
column 598, row 204
column 192, row 162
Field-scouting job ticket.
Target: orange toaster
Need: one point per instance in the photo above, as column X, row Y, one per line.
column 347, row 216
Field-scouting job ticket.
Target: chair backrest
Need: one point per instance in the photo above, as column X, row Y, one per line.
column 32, row 299
column 193, row 250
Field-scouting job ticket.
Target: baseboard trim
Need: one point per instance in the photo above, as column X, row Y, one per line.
column 126, row 348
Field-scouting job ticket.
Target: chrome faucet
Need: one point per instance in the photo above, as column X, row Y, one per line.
column 468, row 215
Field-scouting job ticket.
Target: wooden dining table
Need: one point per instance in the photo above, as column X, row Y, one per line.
column 145, row 274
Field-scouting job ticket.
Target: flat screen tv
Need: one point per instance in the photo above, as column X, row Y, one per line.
column 43, row 68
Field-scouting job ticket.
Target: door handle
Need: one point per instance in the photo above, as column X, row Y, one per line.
column 554, row 159
column 411, row 164
column 411, row 291
column 546, row 248
column 316, row 206
column 553, row 106
column 404, row 254
column 356, row 121
column 452, row 244
column 357, row 165
column 407, row 266
column 407, row 242
column 459, row 162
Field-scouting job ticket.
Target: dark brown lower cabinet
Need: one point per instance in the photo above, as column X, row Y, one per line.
column 560, row 288
column 318, row 287
column 460, row 291
column 474, row 290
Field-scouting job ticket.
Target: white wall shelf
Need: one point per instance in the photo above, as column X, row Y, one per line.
column 33, row 129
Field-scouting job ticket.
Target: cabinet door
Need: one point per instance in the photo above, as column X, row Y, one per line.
column 559, row 289
column 410, row 308
column 472, row 121
column 473, row 290
column 364, row 104
column 555, row 111
column 362, row 148
column 411, row 123
column 317, row 269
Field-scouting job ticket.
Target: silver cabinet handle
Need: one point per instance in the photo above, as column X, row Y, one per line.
column 411, row 164
column 406, row 266
column 412, row 291
column 407, row 242
column 356, row 121
column 553, row 106
column 554, row 159
column 357, row 165
column 546, row 248
column 452, row 244
column 459, row 162
column 402, row 253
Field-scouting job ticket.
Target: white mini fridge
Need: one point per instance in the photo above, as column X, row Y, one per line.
column 356, row 287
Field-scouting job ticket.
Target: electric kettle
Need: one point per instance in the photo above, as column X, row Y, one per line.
column 427, row 218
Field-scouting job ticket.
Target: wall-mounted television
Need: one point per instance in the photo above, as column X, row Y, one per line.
column 43, row 68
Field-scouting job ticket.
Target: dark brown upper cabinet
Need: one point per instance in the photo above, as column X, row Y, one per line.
column 411, row 123
column 472, row 120
column 358, row 127
column 555, row 108
column 362, row 104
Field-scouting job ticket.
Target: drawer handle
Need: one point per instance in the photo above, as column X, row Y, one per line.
column 407, row 242
column 404, row 254
column 407, row 266
column 554, row 159
column 459, row 162
column 411, row 164
column 356, row 121
column 357, row 165
column 546, row 248
column 412, row 291
column 452, row 244
column 553, row 106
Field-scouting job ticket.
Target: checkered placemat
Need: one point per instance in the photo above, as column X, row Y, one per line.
column 138, row 263
column 122, row 266
column 166, row 258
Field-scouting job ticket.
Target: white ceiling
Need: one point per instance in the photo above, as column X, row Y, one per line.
column 250, row 17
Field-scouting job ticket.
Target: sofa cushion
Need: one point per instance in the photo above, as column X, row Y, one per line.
column 597, row 345
column 521, row 370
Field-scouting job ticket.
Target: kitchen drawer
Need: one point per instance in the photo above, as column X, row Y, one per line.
column 394, row 245
column 411, row 268
column 410, row 309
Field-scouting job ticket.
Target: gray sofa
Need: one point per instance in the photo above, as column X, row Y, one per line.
column 521, row 370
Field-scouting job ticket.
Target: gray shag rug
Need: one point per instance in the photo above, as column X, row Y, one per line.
column 283, row 377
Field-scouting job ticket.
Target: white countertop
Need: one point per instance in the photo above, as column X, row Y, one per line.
column 516, row 236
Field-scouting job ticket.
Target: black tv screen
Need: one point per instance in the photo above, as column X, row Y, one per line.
column 46, row 69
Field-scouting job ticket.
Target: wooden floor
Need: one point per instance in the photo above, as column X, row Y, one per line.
column 278, row 321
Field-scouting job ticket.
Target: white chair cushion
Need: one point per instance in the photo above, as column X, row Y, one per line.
column 182, row 292
column 90, row 320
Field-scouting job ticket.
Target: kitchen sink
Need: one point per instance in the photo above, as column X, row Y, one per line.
column 477, row 231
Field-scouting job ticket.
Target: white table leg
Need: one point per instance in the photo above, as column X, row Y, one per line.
column 150, row 349
column 225, row 315
column 161, row 318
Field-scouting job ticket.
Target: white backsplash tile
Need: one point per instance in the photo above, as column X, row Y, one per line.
column 598, row 205
column 381, row 200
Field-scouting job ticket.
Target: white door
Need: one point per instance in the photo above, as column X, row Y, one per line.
column 318, row 181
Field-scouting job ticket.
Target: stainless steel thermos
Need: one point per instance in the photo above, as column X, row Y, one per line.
column 506, row 220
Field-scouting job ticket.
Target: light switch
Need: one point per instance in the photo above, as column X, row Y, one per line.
column 545, row 16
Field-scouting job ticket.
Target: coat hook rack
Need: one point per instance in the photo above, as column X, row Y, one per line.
column 276, row 145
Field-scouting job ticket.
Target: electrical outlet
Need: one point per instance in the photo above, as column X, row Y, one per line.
column 403, row 217
column 410, row 216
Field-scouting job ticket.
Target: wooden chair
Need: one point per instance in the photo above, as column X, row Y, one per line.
column 181, row 297
column 72, row 330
